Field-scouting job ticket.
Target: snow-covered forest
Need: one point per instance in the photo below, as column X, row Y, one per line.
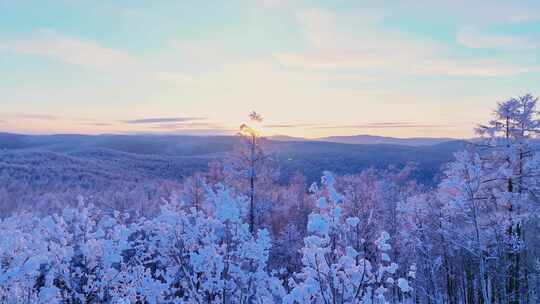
column 234, row 234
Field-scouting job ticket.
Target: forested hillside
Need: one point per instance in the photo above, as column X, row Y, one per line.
column 37, row 169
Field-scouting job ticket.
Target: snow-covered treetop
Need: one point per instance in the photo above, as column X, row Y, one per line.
column 514, row 119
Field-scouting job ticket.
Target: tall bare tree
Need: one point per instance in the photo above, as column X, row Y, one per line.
column 250, row 158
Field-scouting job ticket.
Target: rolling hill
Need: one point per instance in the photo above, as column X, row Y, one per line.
column 172, row 157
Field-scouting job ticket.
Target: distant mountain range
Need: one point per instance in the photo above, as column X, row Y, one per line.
column 173, row 157
column 171, row 144
column 370, row 140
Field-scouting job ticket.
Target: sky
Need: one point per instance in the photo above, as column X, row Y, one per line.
column 410, row 68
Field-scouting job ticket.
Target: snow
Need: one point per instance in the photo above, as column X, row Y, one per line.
column 403, row 285
column 381, row 242
column 318, row 224
column 372, row 238
column 322, row 203
column 353, row 221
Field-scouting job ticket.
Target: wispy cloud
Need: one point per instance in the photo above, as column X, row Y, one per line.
column 473, row 38
column 98, row 124
column 198, row 132
column 51, row 117
column 38, row 116
column 481, row 11
column 205, row 132
column 91, row 55
column 287, row 126
column 162, row 120
column 176, row 78
column 71, row 50
column 272, row 2
column 335, row 47
column 187, row 125
column 359, row 61
column 386, row 125
column 472, row 68
column 331, row 60
column 320, row 26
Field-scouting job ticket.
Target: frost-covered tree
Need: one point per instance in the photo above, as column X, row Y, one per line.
column 250, row 169
column 209, row 255
column 333, row 270
column 426, row 249
column 183, row 255
column 512, row 170
column 364, row 200
column 489, row 197
column 194, row 191
column 470, row 216
column 73, row 257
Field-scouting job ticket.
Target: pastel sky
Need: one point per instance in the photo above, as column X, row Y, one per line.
column 312, row 68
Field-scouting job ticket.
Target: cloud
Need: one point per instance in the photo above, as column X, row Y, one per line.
column 56, row 119
column 198, row 132
column 359, row 31
column 385, row 125
column 333, row 46
column 97, row 124
column 71, row 50
column 38, row 116
column 320, row 26
column 92, row 55
column 187, row 125
column 50, row 117
column 162, row 120
column 471, row 68
column 476, row 39
column 359, row 61
column 479, row 11
column 205, row 132
column 286, row 126
column 330, row 60
column 176, row 78
column 272, row 2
